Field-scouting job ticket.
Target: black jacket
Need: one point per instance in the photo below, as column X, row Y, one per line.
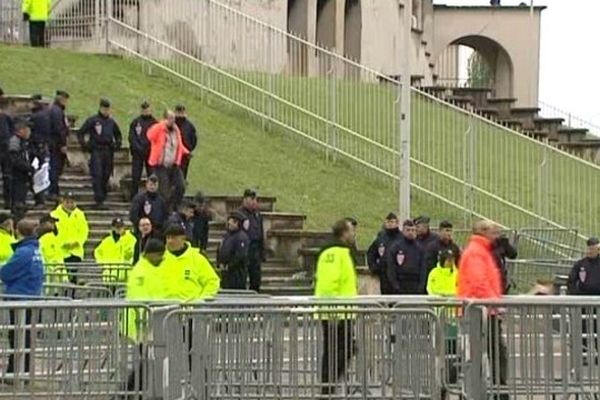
column 150, row 205
column 20, row 157
column 186, row 224
column 59, row 128
column 103, row 132
column 41, row 128
column 201, row 229
column 140, row 244
column 426, row 240
column 503, row 249
column 138, row 141
column 433, row 250
column 233, row 252
column 376, row 251
column 253, row 225
column 584, row 279
column 7, row 128
column 406, row 270
column 188, row 133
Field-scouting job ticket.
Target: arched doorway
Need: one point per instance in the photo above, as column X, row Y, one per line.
column 352, row 35
column 477, row 62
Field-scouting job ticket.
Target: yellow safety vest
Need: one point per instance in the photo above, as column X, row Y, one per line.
column 112, row 255
column 72, row 227
column 38, row 10
column 190, row 276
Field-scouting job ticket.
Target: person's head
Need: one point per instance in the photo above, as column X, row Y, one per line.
column 250, row 199
column 169, row 119
column 343, row 232
column 68, row 202
column 154, row 251
column 447, row 258
column 180, row 111
column 234, row 222
column 22, row 129
column 7, row 223
column 446, row 231
column 188, row 208
column 62, row 97
column 391, row 222
column 592, row 247
column 175, row 237
column 26, row 228
column 118, row 226
column 152, row 184
column 199, row 200
column 105, row 107
column 409, row 230
column 145, row 108
column 145, row 226
column 487, row 229
column 47, row 223
column 422, row 225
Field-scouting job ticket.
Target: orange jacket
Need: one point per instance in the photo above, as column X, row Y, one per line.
column 478, row 274
column 157, row 136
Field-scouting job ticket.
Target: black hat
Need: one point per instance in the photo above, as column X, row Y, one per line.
column 174, row 230
column 408, row 222
column 104, row 103
column 445, row 224
column 153, row 178
column 47, row 218
column 5, row 217
column 69, row 196
column 117, row 222
column 391, row 216
column 422, row 219
column 250, row 193
column 238, row 216
column 154, row 246
column 145, row 105
column 445, row 255
column 179, row 108
column 593, row 241
column 62, row 93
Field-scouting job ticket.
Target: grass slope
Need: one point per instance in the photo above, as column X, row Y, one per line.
column 234, row 152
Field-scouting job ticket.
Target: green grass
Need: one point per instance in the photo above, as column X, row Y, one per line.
column 234, row 151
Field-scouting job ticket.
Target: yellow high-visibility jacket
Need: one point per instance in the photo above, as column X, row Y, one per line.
column 189, row 276
column 72, row 227
column 38, row 10
column 6, row 250
column 443, row 281
column 111, row 254
column 50, row 249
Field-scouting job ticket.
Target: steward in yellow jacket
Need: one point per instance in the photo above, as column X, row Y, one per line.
column 443, row 279
column 6, row 238
column 189, row 274
column 72, row 228
column 115, row 252
column 50, row 250
column 36, row 10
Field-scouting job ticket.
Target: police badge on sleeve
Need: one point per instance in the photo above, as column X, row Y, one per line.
column 400, row 258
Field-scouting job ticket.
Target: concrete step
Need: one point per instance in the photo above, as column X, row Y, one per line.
column 286, row 243
column 571, row 134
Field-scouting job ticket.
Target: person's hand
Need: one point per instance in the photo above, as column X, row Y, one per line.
column 25, row 17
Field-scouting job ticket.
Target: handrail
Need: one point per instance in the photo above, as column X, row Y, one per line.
column 571, row 120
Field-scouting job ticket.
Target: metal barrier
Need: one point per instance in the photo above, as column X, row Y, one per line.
column 523, row 274
column 570, row 120
column 90, row 272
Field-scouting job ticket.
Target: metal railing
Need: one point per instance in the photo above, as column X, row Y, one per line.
column 571, row 120
column 352, row 114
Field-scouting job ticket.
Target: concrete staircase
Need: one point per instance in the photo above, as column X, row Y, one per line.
column 290, row 248
column 525, row 120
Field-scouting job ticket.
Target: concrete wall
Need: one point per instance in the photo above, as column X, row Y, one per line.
column 516, row 35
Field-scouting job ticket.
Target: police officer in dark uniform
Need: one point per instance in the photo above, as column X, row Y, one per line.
column 406, row 268
column 232, row 257
column 104, row 138
column 253, row 225
column 21, row 170
column 376, row 253
column 7, row 128
column 149, row 204
column 139, row 146
column 424, row 235
column 188, row 135
column 59, row 131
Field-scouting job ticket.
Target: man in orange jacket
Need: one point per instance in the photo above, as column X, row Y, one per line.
column 166, row 154
column 479, row 278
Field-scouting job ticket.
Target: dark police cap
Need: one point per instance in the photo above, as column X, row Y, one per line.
column 154, row 246
column 408, row 222
column 179, row 108
column 47, row 218
column 593, row 241
column 5, row 217
column 422, row 219
column 104, row 103
column 174, row 230
column 117, row 222
column 145, row 105
column 250, row 193
column 69, row 196
column 199, row 197
column 62, row 93
column 391, row 216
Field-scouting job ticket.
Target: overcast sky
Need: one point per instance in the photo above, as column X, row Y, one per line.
column 570, row 55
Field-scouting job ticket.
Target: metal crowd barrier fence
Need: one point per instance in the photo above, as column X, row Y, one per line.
column 523, row 274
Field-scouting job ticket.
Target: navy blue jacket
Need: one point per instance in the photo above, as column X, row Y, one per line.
column 103, row 132
column 23, row 273
column 59, row 130
column 138, row 142
column 188, row 133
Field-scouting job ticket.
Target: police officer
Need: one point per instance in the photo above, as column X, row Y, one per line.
column 253, row 225
column 232, row 257
column 376, row 253
column 406, row 269
column 115, row 252
column 188, row 134
column 139, row 145
column 443, row 243
column 21, row 170
column 149, row 204
column 57, row 143
column 203, row 214
column 185, row 218
column 104, row 138
column 7, row 128
column 424, row 235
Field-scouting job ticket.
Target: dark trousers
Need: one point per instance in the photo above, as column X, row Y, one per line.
column 185, row 164
column 338, row 350
column 171, row 185
column 589, row 331
column 235, row 278
column 498, row 356
column 138, row 163
column 101, row 168
column 255, row 252
column 57, row 164
column 19, row 186
column 72, row 270
column 12, row 334
column 5, row 167
column 37, row 33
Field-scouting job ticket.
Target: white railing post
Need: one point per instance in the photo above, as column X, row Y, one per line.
column 108, row 18
column 405, row 109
